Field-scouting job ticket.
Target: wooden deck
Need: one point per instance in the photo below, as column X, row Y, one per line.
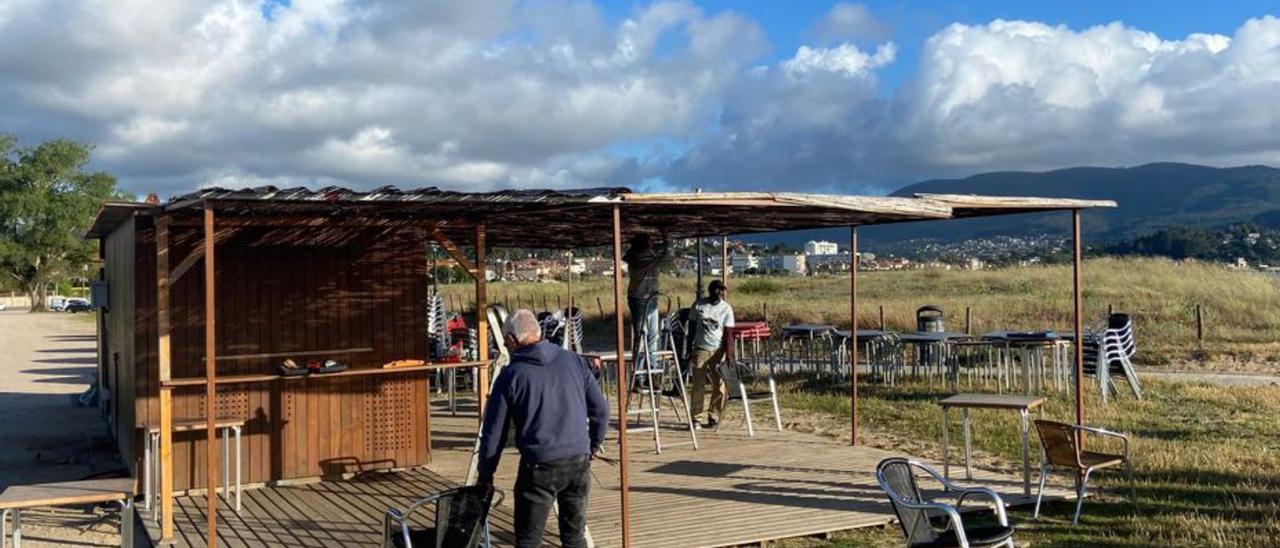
column 734, row 490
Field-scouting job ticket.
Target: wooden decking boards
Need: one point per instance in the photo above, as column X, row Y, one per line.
column 735, row 490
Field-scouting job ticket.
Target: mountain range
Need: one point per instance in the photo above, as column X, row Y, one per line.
column 1150, row 197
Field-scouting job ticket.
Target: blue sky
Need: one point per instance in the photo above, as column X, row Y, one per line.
column 663, row 94
column 789, row 23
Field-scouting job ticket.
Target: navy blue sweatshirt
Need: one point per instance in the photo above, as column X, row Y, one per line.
column 554, row 402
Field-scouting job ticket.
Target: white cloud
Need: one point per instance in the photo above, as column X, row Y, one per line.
column 845, row 59
column 851, row 21
column 495, row 93
column 1025, row 94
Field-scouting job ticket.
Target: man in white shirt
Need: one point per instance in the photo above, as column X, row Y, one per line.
column 708, row 319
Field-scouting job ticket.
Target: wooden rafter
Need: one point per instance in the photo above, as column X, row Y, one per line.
column 197, row 254
column 454, row 252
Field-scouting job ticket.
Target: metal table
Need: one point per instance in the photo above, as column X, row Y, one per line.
column 939, row 343
column 1022, row 404
column 1028, row 345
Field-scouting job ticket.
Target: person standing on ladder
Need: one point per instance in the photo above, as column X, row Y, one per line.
column 644, row 260
column 560, row 417
column 709, row 318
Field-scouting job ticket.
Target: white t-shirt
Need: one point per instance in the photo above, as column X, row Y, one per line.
column 708, row 321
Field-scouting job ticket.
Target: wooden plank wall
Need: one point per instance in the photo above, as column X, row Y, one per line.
column 284, row 292
column 119, row 349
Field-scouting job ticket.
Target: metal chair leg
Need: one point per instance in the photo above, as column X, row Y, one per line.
column 1044, row 473
column 1080, row 494
column 1133, row 486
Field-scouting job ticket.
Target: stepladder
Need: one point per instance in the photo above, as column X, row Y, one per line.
column 657, row 378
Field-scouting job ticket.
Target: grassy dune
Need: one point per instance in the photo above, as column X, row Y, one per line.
column 1241, row 310
column 1206, row 461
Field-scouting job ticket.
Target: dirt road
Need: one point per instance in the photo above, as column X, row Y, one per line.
column 45, row 361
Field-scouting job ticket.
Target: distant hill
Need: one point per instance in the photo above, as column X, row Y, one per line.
column 1151, row 197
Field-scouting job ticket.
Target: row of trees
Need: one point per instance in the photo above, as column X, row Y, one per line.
column 47, row 200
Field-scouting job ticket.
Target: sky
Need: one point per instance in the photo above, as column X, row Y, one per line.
column 667, row 95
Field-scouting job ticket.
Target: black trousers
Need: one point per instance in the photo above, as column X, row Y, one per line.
column 538, row 486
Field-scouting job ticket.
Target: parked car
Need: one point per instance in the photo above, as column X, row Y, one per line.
column 77, row 305
column 57, row 304
column 3, row 307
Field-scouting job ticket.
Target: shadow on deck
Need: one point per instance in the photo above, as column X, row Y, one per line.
column 733, row 490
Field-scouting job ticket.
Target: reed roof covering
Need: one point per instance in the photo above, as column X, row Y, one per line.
column 565, row 218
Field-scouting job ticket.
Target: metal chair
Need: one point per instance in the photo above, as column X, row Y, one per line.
column 741, row 377
column 1060, row 449
column 896, row 476
column 461, row 520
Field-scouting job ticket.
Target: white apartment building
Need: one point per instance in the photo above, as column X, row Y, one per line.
column 814, row 247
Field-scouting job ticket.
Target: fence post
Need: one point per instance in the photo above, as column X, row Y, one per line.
column 1199, row 326
column 601, row 307
column 968, row 321
column 882, row 317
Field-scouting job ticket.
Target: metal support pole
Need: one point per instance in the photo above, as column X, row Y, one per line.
column 619, row 333
column 853, row 333
column 1078, row 295
column 211, row 375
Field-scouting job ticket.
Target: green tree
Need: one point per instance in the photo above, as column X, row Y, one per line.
column 47, row 201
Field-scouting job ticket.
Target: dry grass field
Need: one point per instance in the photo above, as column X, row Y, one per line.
column 1241, row 310
column 1206, row 460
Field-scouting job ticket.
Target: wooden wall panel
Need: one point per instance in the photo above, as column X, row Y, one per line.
column 119, row 348
column 278, row 298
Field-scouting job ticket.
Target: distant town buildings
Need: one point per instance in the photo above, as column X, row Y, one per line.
column 815, row 247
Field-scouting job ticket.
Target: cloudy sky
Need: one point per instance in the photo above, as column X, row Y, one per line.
column 487, row 94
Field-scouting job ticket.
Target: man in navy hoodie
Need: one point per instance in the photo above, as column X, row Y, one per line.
column 560, row 418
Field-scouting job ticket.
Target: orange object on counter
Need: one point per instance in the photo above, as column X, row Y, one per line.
column 403, row 363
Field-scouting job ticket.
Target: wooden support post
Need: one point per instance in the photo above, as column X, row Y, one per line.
column 1199, row 326
column 164, row 355
column 968, row 320
column 620, row 346
column 882, row 317
column 853, row 332
column 568, row 331
column 1077, row 260
column 600, row 306
column 724, row 260
column 211, row 377
column 482, row 326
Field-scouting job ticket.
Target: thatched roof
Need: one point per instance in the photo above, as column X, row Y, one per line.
column 569, row 218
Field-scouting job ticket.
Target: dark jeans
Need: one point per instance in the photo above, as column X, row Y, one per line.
column 538, row 486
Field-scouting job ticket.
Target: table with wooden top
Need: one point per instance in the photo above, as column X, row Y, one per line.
column 19, row 497
column 151, row 460
column 1022, row 404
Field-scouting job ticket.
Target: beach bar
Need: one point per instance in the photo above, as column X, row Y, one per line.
column 210, row 292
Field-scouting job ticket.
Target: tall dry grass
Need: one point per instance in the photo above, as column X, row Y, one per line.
column 1241, row 310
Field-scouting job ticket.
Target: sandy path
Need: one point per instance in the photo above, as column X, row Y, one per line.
column 45, row 361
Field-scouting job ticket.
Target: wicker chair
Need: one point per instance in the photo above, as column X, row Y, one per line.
column 1061, row 450
column 461, row 520
column 897, row 478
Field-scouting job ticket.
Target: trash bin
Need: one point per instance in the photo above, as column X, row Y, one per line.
column 929, row 319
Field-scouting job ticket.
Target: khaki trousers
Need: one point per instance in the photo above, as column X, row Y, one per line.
column 704, row 371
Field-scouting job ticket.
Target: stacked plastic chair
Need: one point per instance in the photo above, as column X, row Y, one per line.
column 1114, row 347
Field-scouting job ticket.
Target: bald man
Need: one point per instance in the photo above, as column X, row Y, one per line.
column 560, row 418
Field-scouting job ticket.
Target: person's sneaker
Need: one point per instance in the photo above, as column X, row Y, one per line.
column 712, row 423
column 697, row 425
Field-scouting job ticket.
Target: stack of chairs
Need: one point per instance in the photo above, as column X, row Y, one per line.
column 1108, row 351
